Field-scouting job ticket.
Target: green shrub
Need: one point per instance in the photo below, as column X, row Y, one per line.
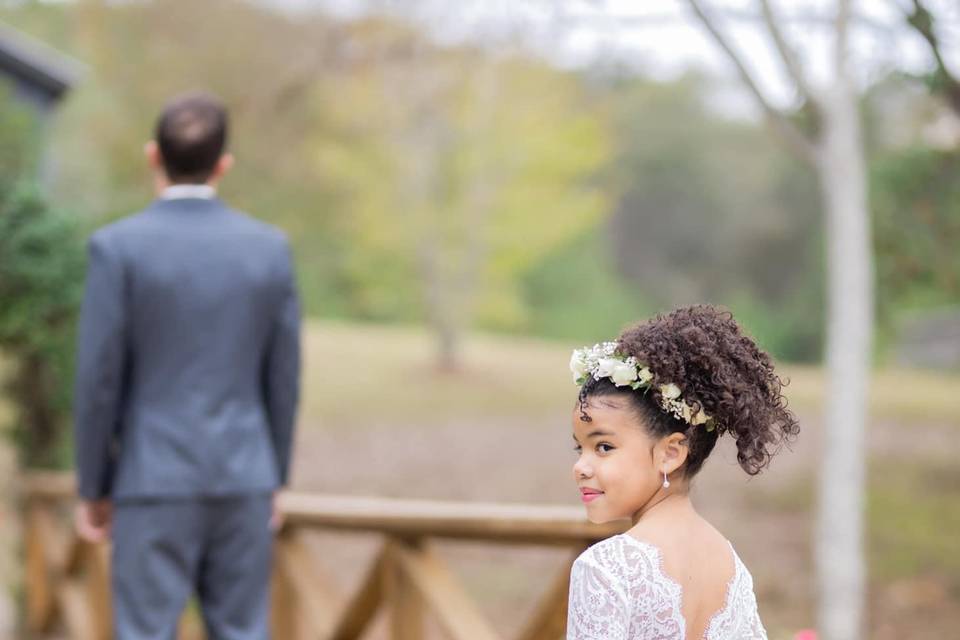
column 41, row 280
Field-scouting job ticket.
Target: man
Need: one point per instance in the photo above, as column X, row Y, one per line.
column 187, row 385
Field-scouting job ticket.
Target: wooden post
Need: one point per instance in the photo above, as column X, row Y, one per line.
column 39, row 540
column 77, row 614
column 406, row 606
column 97, row 581
column 284, row 605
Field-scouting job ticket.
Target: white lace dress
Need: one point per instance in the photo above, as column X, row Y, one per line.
column 619, row 591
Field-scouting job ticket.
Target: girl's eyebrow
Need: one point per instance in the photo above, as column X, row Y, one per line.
column 599, row 432
column 595, row 433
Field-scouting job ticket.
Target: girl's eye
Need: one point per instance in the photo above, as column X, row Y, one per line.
column 577, row 448
column 603, row 447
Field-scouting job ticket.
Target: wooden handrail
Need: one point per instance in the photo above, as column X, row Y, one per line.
column 510, row 523
column 514, row 523
column 66, row 578
column 48, row 485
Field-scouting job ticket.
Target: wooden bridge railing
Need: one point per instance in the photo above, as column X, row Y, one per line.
column 66, row 579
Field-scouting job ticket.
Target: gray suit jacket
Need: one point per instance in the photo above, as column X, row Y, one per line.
column 189, row 355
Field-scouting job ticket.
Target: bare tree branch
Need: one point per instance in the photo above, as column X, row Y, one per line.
column 599, row 20
column 789, row 56
column 791, row 134
column 922, row 21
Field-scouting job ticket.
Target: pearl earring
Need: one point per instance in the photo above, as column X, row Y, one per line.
column 666, row 483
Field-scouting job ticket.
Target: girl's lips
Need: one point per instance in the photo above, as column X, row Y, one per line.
column 589, row 494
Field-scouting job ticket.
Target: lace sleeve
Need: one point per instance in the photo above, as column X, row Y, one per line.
column 598, row 604
column 743, row 617
column 754, row 628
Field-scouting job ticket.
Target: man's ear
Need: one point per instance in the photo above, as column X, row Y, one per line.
column 672, row 452
column 224, row 164
column 152, row 151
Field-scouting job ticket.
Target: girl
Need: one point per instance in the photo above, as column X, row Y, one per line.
column 651, row 408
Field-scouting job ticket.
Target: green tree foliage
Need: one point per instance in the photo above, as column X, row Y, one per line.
column 709, row 209
column 264, row 65
column 916, row 203
column 445, row 184
column 577, row 295
column 41, row 275
column 41, row 270
column 461, row 170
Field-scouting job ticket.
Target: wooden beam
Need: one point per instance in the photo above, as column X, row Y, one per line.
column 406, row 605
column 498, row 523
column 447, row 599
column 549, row 621
column 363, row 606
column 48, row 485
column 317, row 601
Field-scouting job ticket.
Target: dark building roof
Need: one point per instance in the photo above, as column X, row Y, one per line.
column 39, row 71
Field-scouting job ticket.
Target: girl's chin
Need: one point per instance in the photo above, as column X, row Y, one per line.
column 599, row 517
column 603, row 516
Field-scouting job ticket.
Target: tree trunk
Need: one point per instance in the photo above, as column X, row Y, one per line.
column 839, row 543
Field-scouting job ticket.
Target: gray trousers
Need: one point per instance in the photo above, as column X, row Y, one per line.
column 166, row 550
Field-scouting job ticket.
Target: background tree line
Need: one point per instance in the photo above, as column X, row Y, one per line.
column 480, row 187
column 423, row 183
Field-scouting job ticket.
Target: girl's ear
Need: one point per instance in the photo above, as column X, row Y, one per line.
column 672, row 452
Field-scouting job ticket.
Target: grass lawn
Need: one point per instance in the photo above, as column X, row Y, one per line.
column 359, row 373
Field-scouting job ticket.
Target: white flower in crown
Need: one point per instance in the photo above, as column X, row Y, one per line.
column 699, row 418
column 644, row 375
column 604, row 361
column 623, row 373
column 606, row 367
column 579, row 366
column 681, row 410
column 670, row 391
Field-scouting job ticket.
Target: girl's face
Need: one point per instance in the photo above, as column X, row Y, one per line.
column 616, row 469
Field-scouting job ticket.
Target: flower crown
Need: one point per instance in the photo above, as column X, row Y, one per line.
column 605, row 361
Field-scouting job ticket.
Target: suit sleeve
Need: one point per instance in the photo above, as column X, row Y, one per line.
column 101, row 360
column 282, row 368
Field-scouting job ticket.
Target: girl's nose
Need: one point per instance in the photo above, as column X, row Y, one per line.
column 581, row 469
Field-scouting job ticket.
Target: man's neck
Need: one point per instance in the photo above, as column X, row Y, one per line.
column 161, row 183
column 186, row 190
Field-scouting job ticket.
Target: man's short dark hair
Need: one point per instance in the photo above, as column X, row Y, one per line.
column 191, row 133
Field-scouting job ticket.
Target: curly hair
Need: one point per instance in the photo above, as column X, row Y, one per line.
column 703, row 351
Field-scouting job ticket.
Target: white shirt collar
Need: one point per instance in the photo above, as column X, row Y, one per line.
column 177, row 191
